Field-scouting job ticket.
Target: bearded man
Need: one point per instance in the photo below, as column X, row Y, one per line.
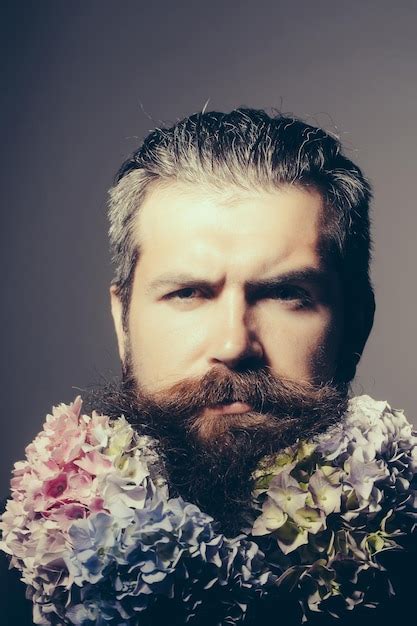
column 242, row 299
column 242, row 303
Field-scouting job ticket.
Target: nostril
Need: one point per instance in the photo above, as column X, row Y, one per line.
column 240, row 357
column 249, row 363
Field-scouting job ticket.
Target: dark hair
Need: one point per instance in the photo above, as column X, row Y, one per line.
column 250, row 149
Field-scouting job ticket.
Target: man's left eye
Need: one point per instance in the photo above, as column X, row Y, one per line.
column 291, row 294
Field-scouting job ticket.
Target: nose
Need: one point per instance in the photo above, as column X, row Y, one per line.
column 235, row 342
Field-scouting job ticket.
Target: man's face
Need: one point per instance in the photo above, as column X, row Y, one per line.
column 230, row 280
column 233, row 329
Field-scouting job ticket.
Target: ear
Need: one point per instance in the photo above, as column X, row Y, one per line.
column 117, row 314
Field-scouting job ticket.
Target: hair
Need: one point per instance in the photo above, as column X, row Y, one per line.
column 251, row 150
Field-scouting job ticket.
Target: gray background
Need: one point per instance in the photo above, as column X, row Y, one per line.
column 83, row 82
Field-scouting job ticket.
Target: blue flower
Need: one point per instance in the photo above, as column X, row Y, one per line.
column 92, row 539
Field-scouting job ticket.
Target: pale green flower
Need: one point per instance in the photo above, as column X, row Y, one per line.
column 376, row 542
column 270, row 466
column 272, row 518
column 290, row 536
column 308, row 518
column 120, row 437
column 286, row 492
column 305, row 449
column 326, row 492
column 362, row 475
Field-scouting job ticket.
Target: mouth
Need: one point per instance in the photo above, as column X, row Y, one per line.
column 233, row 408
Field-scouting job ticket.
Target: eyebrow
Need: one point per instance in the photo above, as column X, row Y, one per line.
column 169, row 281
column 313, row 276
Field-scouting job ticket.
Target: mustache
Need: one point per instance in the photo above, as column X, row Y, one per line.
column 262, row 390
column 281, row 409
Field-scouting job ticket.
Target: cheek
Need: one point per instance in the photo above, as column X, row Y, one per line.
column 163, row 344
column 302, row 343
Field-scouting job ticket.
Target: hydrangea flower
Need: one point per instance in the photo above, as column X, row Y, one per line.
column 98, row 539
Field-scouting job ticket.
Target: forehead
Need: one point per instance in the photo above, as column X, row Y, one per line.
column 181, row 224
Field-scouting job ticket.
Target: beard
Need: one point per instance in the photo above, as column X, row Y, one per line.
column 209, row 458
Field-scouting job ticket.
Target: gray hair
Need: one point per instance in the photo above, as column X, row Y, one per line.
column 250, row 149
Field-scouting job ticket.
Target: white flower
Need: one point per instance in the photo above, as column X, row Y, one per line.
column 362, row 475
column 285, row 491
column 272, row 517
column 326, row 494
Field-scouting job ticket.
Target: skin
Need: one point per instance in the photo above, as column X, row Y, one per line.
column 206, row 290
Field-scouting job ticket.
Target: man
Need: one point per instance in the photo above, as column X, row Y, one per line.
column 242, row 303
column 241, row 300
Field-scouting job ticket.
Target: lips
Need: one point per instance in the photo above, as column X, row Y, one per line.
column 229, row 409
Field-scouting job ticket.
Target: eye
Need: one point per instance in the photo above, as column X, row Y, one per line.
column 300, row 297
column 186, row 293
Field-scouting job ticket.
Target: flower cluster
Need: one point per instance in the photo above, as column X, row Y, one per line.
column 90, row 511
column 334, row 503
column 98, row 539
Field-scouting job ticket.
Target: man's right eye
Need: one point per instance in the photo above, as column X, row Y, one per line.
column 187, row 293
column 183, row 294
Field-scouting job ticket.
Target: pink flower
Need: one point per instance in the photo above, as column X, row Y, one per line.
column 55, row 488
column 98, row 431
column 60, row 441
column 45, row 497
column 60, row 482
column 80, row 486
column 94, row 463
column 69, row 449
column 67, row 513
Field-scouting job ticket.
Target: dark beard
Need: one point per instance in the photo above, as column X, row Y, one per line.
column 210, row 460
